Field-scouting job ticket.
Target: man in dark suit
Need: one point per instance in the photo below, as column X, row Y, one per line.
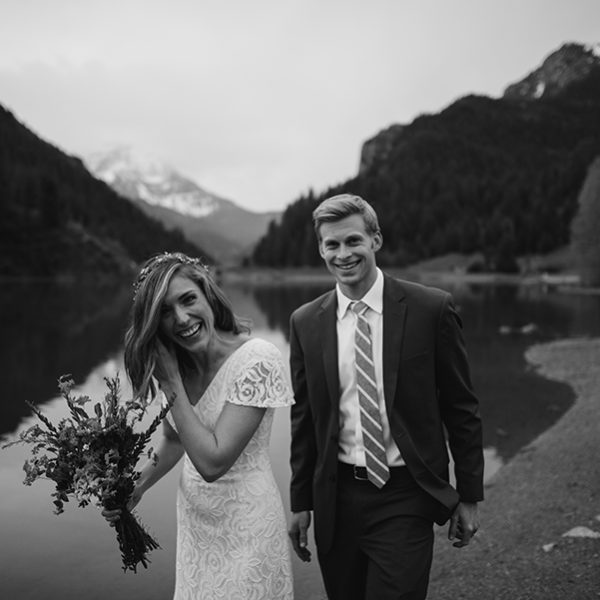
column 382, row 387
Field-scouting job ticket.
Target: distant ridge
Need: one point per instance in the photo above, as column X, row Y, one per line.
column 228, row 231
column 495, row 176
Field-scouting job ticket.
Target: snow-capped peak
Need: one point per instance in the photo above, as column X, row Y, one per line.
column 143, row 177
column 110, row 165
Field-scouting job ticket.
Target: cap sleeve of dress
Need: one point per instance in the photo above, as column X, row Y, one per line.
column 260, row 378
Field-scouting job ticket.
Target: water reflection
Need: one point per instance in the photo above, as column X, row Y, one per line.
column 50, row 329
column 279, row 301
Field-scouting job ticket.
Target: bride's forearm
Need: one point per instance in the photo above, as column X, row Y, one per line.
column 213, row 451
column 199, row 441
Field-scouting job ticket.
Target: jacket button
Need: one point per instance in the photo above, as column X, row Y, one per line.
column 332, row 478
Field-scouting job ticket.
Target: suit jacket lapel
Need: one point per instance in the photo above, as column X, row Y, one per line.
column 394, row 313
column 328, row 336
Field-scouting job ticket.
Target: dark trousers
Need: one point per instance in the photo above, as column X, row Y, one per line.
column 383, row 542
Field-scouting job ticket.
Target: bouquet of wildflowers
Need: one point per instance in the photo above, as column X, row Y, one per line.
column 93, row 458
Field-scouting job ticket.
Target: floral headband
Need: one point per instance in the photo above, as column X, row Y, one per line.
column 161, row 258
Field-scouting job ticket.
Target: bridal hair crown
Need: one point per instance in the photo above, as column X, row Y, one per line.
column 162, row 258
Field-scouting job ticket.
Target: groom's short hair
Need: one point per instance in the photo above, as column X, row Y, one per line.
column 341, row 206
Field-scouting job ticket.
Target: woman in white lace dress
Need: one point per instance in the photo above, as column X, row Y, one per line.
column 231, row 530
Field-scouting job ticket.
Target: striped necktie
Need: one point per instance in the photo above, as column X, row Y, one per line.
column 370, row 419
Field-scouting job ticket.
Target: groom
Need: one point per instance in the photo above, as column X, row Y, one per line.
column 379, row 371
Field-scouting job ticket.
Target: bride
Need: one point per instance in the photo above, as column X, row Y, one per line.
column 231, row 531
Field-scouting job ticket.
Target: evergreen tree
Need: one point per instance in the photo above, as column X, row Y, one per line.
column 585, row 228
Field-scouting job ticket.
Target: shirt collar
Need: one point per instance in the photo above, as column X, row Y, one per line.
column 373, row 298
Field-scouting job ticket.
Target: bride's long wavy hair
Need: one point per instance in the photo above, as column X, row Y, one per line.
column 150, row 289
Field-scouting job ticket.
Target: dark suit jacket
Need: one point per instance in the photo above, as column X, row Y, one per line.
column 427, row 388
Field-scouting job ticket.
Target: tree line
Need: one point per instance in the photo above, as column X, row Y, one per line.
column 496, row 176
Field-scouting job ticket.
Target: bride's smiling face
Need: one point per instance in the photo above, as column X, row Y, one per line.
column 186, row 317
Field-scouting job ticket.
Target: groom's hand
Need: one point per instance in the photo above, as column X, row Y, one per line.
column 299, row 525
column 463, row 524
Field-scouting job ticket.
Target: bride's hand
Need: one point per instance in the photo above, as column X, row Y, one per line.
column 166, row 368
column 113, row 515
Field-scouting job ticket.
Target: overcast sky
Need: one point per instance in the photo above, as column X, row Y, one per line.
column 260, row 100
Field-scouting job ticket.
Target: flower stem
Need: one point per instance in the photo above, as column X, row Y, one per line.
column 134, row 541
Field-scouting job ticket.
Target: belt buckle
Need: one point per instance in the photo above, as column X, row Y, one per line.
column 358, row 470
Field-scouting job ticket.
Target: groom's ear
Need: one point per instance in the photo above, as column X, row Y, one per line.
column 377, row 241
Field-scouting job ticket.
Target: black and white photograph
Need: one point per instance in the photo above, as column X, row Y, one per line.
column 300, row 300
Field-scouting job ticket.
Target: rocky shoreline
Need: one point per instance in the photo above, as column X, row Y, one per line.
column 540, row 522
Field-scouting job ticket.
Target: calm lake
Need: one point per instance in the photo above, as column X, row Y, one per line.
column 48, row 330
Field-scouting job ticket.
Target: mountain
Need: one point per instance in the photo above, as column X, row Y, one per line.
column 227, row 230
column 569, row 65
column 57, row 221
column 498, row 176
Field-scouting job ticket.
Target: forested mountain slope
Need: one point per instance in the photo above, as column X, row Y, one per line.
column 497, row 176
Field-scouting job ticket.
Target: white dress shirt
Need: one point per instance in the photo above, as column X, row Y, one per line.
column 351, row 449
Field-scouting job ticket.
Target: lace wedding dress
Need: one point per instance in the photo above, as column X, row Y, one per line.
column 231, row 534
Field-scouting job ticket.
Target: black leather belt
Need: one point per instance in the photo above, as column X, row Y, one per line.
column 360, row 473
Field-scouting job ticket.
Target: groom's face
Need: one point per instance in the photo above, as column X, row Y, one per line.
column 348, row 250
